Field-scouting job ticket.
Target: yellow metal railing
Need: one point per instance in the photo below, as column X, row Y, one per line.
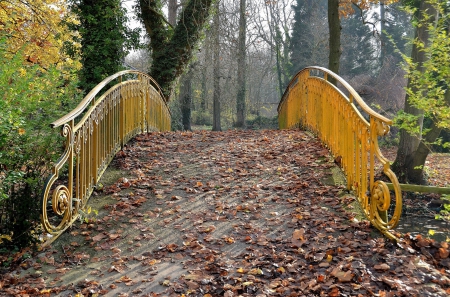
column 350, row 129
column 94, row 131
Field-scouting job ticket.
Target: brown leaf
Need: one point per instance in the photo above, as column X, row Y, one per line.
column 341, row 275
column 298, row 234
column 443, row 253
column 113, row 236
column 192, row 285
column 382, row 267
column 172, row 247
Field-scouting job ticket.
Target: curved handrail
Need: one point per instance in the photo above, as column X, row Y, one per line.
column 346, row 85
column 91, row 96
column 134, row 105
column 312, row 101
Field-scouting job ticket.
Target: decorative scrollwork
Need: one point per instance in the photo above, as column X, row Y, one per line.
column 98, row 112
column 382, row 128
column 381, row 198
column 380, row 203
column 77, row 142
column 91, row 123
column 61, row 197
column 61, row 200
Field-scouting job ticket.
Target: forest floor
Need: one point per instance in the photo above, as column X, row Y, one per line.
column 236, row 213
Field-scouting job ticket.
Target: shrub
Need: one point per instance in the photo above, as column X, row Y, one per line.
column 263, row 123
column 31, row 98
column 201, row 118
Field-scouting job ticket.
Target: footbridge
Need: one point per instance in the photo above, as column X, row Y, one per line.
column 130, row 103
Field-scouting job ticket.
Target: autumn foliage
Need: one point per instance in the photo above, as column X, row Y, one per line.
column 347, row 7
column 37, row 84
column 38, row 30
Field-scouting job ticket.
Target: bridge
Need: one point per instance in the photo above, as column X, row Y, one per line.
column 102, row 124
column 234, row 213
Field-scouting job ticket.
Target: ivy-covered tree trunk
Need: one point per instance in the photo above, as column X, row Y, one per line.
column 104, row 38
column 172, row 47
column 334, row 25
column 407, row 165
column 241, row 83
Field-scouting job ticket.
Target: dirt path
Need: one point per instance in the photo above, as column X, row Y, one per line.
column 238, row 213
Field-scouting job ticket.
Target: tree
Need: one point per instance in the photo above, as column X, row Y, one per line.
column 104, row 40
column 427, row 92
column 186, row 98
column 216, row 72
column 334, row 43
column 39, row 30
column 273, row 21
column 398, row 28
column 240, row 97
column 345, row 8
column 306, row 47
column 358, row 50
column 172, row 47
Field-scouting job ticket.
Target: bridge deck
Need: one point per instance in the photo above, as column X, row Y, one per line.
column 249, row 213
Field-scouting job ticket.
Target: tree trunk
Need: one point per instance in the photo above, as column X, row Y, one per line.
column 382, row 25
column 172, row 49
column 241, row 91
column 334, row 26
column 186, row 99
column 204, row 85
column 278, row 57
column 172, row 12
column 216, row 73
column 415, row 168
column 406, row 164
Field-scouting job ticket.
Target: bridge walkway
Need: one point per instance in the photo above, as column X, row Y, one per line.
column 236, row 213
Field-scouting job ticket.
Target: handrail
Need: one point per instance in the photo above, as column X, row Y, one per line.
column 134, row 105
column 91, row 96
column 350, row 129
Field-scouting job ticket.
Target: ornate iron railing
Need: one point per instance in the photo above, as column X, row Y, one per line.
column 94, row 131
column 350, row 129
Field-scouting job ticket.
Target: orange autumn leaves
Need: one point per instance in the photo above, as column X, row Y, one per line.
column 38, row 29
column 347, row 7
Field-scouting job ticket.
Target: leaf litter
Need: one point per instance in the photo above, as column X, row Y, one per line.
column 236, row 213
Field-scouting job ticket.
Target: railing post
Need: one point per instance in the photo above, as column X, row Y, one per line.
column 121, row 117
column 70, row 183
column 383, row 214
column 142, row 99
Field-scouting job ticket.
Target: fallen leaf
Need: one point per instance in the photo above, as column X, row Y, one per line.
column 382, row 267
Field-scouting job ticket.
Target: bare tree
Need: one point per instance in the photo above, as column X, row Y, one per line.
column 216, row 73
column 240, row 97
